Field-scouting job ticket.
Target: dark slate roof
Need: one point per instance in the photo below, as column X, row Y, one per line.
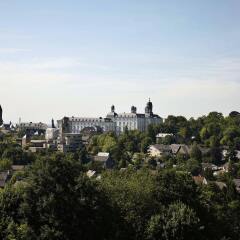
column 156, row 116
column 175, row 148
column 112, row 115
column 162, row 147
column 184, row 149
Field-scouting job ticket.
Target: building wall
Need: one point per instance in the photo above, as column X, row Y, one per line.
column 75, row 125
column 134, row 123
column 113, row 122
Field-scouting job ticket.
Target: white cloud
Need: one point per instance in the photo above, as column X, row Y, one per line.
column 39, row 89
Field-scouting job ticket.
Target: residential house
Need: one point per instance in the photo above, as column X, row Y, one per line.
column 200, row 180
column 160, row 136
column 69, row 142
column 158, row 150
column 104, row 159
column 91, row 173
column 211, row 166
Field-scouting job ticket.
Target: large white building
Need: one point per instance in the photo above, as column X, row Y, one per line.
column 77, row 124
column 134, row 120
column 113, row 122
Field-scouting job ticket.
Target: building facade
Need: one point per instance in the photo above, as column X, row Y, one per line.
column 113, row 122
column 134, row 120
column 31, row 128
column 77, row 124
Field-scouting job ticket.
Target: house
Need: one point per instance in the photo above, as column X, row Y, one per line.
column 200, row 180
column 7, row 127
column 91, row 173
column 222, row 169
column 105, row 159
column 69, row 142
column 25, row 140
column 225, row 167
column 37, row 145
column 158, row 150
column 211, row 166
column 180, row 149
column 160, row 136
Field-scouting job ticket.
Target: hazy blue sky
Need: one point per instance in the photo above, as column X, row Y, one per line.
column 77, row 58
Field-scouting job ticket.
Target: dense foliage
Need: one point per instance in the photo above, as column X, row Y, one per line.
column 12, row 153
column 53, row 199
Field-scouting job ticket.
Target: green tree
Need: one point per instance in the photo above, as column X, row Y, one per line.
column 195, row 152
column 193, row 166
column 132, row 193
column 5, row 164
column 172, row 185
column 177, row 222
column 145, row 144
column 58, row 193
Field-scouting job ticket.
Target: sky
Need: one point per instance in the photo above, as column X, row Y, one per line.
column 77, row 58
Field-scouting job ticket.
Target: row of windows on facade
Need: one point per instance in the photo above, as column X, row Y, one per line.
column 123, row 118
column 130, row 124
column 89, row 120
column 77, row 128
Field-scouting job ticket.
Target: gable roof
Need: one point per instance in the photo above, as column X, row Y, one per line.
column 161, row 147
column 182, row 148
column 221, row 185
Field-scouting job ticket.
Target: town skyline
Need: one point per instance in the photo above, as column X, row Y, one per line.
column 6, row 119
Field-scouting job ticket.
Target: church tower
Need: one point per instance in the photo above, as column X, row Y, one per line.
column 53, row 125
column 112, row 108
column 149, row 108
column 1, row 120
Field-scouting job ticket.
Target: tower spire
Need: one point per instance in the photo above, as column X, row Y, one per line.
column 1, row 120
column 53, row 125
